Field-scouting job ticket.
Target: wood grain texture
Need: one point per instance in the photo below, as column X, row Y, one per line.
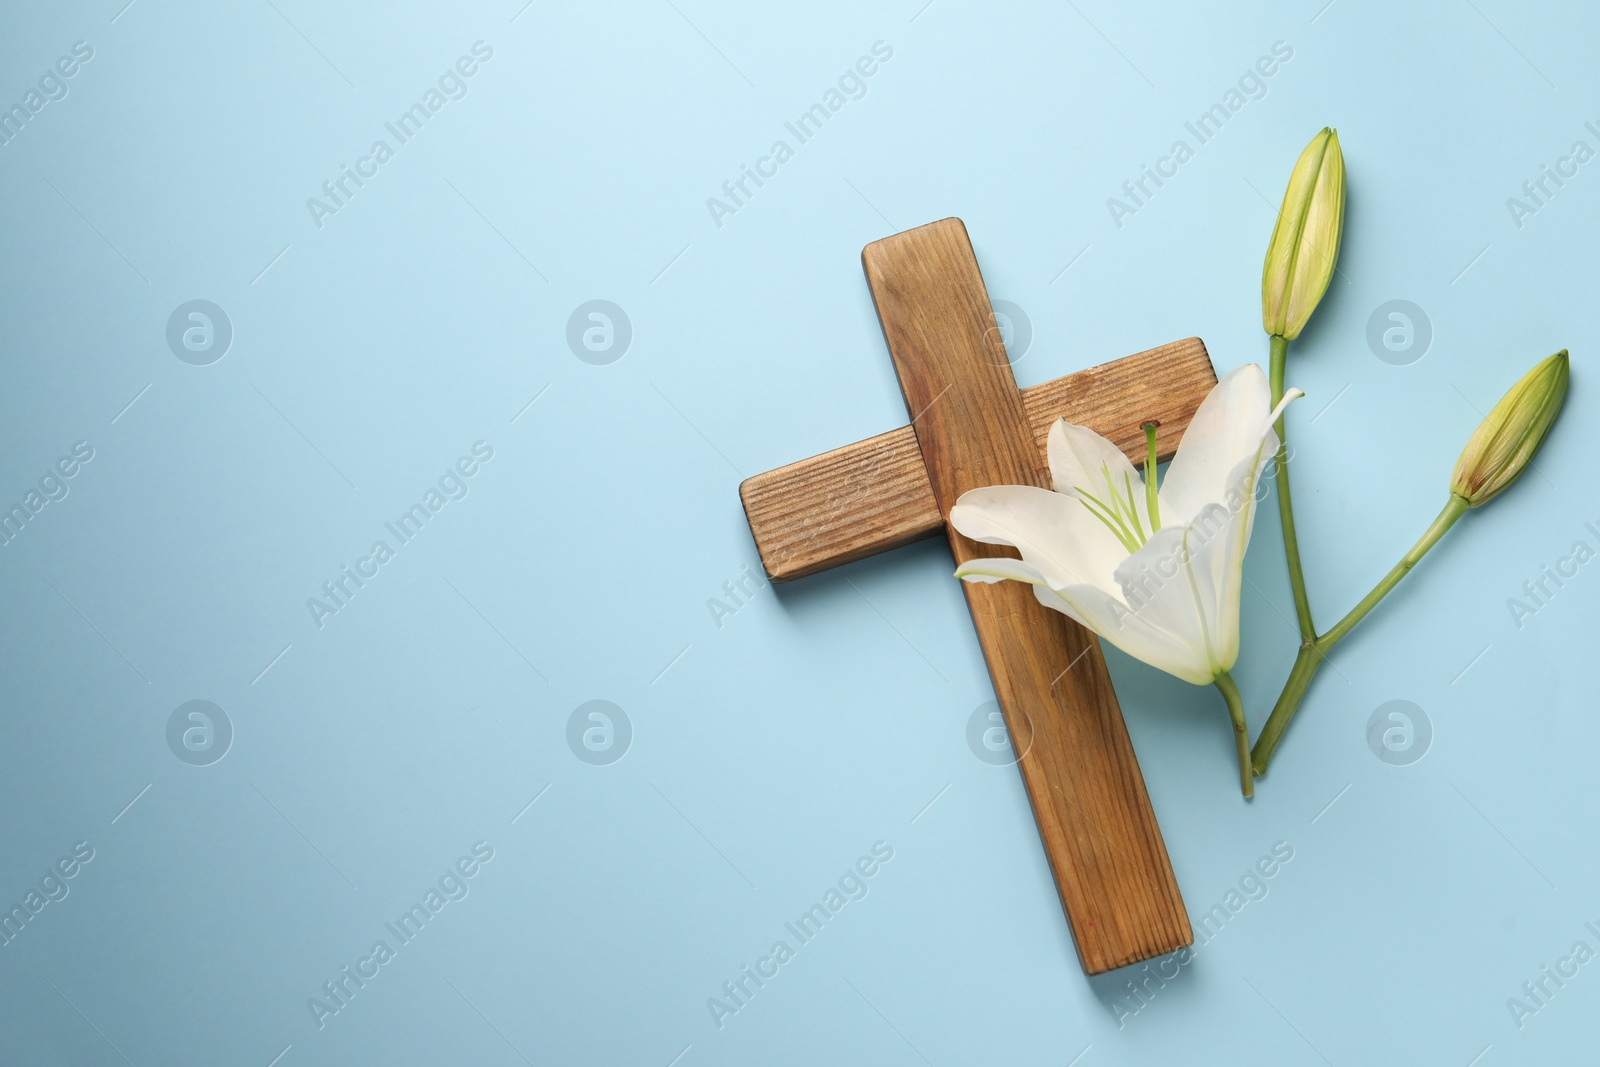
column 1088, row 795
column 874, row 495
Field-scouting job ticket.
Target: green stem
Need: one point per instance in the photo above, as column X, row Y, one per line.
column 1291, row 541
column 1241, row 733
column 1453, row 510
column 1314, row 652
column 1305, row 667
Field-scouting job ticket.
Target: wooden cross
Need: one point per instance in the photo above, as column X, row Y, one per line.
column 972, row 427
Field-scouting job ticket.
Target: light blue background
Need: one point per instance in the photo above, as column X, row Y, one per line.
column 772, row 751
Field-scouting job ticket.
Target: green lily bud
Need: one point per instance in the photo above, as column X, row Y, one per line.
column 1305, row 242
column 1504, row 443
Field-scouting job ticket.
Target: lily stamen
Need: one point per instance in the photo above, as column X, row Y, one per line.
column 1121, row 515
column 1111, row 519
column 1133, row 510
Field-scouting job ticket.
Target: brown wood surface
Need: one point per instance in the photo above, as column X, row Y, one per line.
column 1111, row 867
column 874, row 495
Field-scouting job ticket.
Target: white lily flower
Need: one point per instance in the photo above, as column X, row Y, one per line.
column 1158, row 574
column 1155, row 571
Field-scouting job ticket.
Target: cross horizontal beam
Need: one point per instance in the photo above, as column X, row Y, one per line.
column 874, row 495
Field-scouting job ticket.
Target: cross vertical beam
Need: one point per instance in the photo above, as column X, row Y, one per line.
column 1088, row 795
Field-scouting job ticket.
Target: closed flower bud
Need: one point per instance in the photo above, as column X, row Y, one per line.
column 1505, row 442
column 1305, row 242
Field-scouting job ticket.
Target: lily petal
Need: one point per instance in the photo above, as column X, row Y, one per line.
column 1160, row 586
column 1129, row 631
column 1082, row 460
column 1140, row 633
column 1055, row 533
column 1000, row 569
column 1227, row 427
column 1214, row 544
column 1227, row 564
